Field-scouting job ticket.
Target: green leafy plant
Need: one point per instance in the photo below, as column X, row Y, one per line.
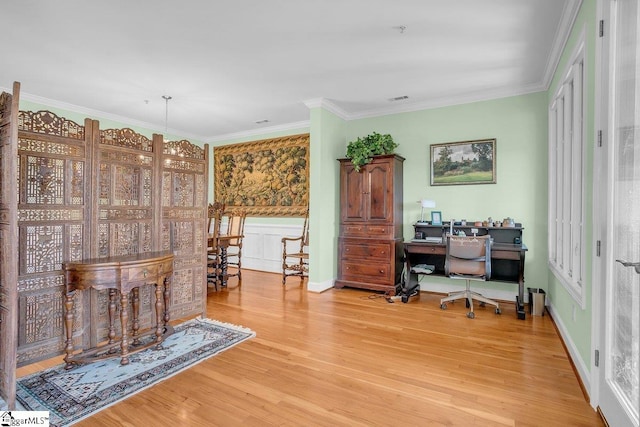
column 362, row 150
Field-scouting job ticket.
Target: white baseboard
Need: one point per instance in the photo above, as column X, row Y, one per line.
column 581, row 368
column 319, row 286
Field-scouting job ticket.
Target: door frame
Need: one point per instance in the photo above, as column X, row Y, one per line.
column 602, row 200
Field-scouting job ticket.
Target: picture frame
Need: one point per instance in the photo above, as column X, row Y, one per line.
column 464, row 162
column 436, row 218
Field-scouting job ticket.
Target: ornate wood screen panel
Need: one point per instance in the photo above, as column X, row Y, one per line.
column 8, row 243
column 184, row 222
column 126, row 214
column 84, row 193
column 53, row 204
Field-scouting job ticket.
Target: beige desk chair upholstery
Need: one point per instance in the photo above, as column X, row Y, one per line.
column 214, row 273
column 235, row 227
column 295, row 256
column 468, row 258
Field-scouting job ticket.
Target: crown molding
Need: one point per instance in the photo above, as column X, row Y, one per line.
column 327, row 105
column 97, row 114
column 261, row 131
column 567, row 20
column 448, row 101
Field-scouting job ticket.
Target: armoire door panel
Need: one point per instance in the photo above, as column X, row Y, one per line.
column 353, row 186
column 380, row 186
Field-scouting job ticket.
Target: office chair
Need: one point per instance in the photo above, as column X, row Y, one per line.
column 295, row 261
column 468, row 258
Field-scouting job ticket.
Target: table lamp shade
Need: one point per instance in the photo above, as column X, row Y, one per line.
column 425, row 203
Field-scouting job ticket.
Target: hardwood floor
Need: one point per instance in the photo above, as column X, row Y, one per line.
column 347, row 357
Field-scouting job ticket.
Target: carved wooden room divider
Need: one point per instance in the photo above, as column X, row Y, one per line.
column 87, row 193
column 184, row 224
column 8, row 244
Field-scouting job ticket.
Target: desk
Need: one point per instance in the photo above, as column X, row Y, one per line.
column 222, row 242
column 507, row 258
column 124, row 275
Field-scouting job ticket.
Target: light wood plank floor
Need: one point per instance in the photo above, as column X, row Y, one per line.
column 349, row 358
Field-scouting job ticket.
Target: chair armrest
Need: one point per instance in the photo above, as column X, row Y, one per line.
column 290, row 239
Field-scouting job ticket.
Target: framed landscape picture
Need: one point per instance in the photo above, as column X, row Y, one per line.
column 466, row 162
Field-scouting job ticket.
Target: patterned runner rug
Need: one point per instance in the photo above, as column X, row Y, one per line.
column 71, row 395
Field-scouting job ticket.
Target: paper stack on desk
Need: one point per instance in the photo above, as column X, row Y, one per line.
column 422, row 269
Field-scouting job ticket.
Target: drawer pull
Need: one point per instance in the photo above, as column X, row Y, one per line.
column 144, row 273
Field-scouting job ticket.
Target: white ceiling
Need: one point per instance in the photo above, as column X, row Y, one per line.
column 228, row 64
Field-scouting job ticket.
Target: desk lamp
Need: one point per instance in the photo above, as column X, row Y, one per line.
column 425, row 203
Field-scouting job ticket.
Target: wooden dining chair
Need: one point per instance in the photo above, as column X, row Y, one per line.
column 214, row 262
column 295, row 255
column 235, row 227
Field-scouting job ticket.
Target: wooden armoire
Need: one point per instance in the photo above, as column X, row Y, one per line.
column 74, row 191
column 370, row 242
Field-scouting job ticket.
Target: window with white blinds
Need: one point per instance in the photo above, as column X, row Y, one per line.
column 567, row 178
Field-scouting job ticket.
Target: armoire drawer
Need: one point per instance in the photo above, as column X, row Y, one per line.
column 362, row 230
column 374, row 272
column 352, row 249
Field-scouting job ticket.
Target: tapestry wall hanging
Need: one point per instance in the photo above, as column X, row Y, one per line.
column 269, row 177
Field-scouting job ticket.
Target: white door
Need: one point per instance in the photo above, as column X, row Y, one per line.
column 619, row 348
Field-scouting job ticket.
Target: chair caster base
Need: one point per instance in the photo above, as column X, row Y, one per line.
column 471, row 315
column 443, row 306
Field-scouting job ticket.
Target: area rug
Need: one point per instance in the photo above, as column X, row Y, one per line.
column 71, row 395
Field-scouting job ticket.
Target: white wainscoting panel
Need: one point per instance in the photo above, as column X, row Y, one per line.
column 262, row 245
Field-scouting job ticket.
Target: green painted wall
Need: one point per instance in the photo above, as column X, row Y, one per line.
column 579, row 328
column 327, row 145
column 519, row 125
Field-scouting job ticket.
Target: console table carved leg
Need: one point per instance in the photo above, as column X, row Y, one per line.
column 159, row 311
column 112, row 314
column 124, row 318
column 136, row 311
column 166, row 283
column 68, row 321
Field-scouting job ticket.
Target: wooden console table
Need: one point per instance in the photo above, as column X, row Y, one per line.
column 124, row 275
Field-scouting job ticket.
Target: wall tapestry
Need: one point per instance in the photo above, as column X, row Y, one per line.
column 269, row 177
